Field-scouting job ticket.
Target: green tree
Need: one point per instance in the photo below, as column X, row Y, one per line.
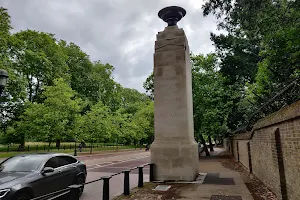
column 259, row 54
column 144, row 119
column 210, row 98
column 80, row 70
column 149, row 85
column 39, row 59
column 96, row 125
column 55, row 92
column 11, row 99
column 54, row 118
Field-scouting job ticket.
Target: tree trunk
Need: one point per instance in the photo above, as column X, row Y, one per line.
column 49, row 145
column 22, row 141
column 211, row 148
column 91, row 147
column 204, row 144
column 30, row 87
column 57, row 144
column 35, row 98
column 117, row 143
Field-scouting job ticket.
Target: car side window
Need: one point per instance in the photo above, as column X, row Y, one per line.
column 70, row 159
column 66, row 160
column 52, row 162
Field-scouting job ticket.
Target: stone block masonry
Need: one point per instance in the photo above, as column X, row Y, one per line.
column 174, row 150
column 274, row 151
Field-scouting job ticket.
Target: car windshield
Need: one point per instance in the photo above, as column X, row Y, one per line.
column 26, row 163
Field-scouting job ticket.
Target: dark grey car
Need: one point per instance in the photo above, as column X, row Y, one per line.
column 23, row 177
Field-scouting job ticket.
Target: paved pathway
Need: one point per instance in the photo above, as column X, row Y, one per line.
column 216, row 183
column 221, row 180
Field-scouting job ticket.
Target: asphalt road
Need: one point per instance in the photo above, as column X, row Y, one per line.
column 108, row 164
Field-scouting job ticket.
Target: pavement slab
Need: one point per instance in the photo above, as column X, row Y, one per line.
column 220, row 183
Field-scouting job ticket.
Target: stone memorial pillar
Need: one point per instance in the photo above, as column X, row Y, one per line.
column 174, row 151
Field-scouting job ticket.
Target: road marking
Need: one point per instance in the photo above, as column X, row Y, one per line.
column 101, row 154
column 100, row 166
column 110, row 156
column 97, row 164
column 115, row 161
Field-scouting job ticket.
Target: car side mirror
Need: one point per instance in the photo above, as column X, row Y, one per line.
column 47, row 170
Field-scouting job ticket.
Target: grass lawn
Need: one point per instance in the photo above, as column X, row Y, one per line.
column 69, row 151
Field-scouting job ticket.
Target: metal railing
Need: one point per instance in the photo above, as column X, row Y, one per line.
column 72, row 192
column 87, row 148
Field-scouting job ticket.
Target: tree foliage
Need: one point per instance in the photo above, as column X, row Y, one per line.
column 211, row 99
column 55, row 92
column 259, row 55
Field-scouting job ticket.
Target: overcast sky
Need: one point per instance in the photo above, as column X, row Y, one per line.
column 118, row 32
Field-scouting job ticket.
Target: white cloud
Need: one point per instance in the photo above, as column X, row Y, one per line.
column 119, row 32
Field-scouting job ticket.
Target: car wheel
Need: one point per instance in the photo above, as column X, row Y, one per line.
column 80, row 180
column 22, row 196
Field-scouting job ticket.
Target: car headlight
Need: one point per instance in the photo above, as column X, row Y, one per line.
column 4, row 192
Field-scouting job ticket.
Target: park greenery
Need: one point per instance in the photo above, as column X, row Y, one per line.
column 254, row 70
column 57, row 94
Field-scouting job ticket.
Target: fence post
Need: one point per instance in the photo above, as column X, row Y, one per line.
column 44, row 147
column 105, row 195
column 141, row 178
column 126, row 182
column 36, row 148
column 28, row 147
column 151, row 172
column 74, row 192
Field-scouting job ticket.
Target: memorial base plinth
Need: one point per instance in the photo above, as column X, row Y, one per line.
column 175, row 161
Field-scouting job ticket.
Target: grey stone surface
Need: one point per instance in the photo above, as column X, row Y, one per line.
column 174, row 150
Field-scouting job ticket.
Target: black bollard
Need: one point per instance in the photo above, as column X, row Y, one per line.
column 105, row 195
column 74, row 192
column 141, row 178
column 126, row 182
column 75, row 152
column 151, row 172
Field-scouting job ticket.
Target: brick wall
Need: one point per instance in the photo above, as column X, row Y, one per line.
column 243, row 153
column 263, row 154
column 274, row 151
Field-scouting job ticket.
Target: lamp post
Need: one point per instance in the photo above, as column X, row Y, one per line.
column 3, row 79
